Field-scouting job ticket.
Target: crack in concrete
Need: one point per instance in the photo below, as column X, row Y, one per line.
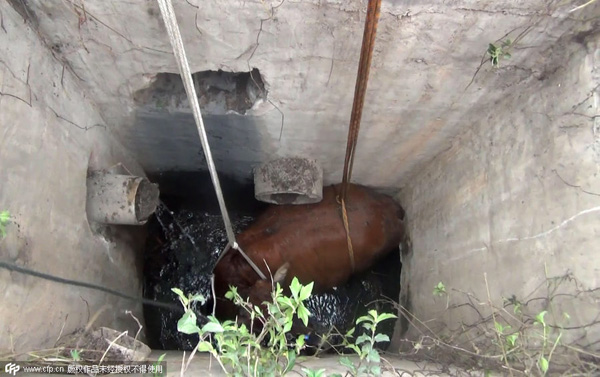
column 504, row 12
column 76, row 6
column 527, row 238
column 86, row 128
column 256, row 44
column 26, row 83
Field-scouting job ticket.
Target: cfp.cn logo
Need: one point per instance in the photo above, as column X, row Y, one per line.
column 11, row 368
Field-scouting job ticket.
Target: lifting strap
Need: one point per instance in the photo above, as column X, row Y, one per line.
column 168, row 14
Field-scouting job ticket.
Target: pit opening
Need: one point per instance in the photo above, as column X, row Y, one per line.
column 187, row 235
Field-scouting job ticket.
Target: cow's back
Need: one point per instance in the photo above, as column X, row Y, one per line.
column 313, row 240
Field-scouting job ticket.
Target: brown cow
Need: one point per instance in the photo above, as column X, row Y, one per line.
column 309, row 241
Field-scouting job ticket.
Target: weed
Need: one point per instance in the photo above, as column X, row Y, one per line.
column 241, row 352
column 4, row 220
column 156, row 366
column 439, row 289
column 499, row 51
column 364, row 346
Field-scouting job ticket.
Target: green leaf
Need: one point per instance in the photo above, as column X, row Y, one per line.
column 75, row 355
column 4, row 217
column 373, row 314
column 543, row 363
column 376, row 370
column 439, row 289
column 295, row 287
column 181, row 295
column 213, row 327
column 285, row 301
column 382, row 338
column 365, row 350
column 540, row 318
column 363, row 319
column 373, row 356
column 354, row 348
column 300, row 341
column 291, row 357
column 231, row 293
column 303, row 314
column 512, row 339
column 198, row 297
column 363, row 338
column 187, row 323
column 346, row 362
column 384, row 316
column 306, row 291
column 314, row 373
column 499, row 327
column 205, row 346
column 287, row 327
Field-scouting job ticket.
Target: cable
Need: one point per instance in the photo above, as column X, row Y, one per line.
column 23, row 270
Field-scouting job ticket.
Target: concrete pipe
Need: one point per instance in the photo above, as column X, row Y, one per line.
column 290, row 180
column 120, row 199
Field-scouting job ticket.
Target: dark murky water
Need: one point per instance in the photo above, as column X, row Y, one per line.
column 186, row 236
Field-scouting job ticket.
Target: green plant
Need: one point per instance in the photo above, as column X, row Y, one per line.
column 156, row 365
column 439, row 289
column 517, row 305
column 508, row 338
column 544, row 360
column 364, row 346
column 75, row 355
column 4, row 220
column 241, row 351
column 500, row 51
column 313, row 373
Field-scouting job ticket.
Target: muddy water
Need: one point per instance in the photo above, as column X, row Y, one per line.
column 186, row 236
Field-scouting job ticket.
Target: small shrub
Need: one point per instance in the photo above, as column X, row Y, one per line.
column 238, row 349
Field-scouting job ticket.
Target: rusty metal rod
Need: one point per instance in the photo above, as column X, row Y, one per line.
column 364, row 65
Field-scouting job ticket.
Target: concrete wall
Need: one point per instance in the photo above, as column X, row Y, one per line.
column 498, row 176
column 426, row 54
column 516, row 196
column 49, row 133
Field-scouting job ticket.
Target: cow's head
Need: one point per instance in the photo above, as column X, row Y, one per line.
column 261, row 292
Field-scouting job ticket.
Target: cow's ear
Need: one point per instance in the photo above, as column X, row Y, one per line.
column 281, row 273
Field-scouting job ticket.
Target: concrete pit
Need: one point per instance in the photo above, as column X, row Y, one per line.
column 495, row 161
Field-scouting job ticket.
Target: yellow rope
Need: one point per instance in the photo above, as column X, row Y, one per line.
column 347, row 227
